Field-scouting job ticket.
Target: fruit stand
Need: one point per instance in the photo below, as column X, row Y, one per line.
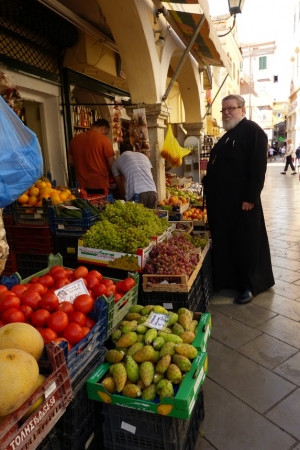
column 119, row 296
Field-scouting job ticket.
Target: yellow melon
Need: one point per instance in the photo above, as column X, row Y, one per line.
column 18, row 376
column 23, row 337
column 39, row 382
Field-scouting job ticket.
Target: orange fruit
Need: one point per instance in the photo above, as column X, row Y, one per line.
column 23, row 199
column 34, row 191
column 39, row 203
column 45, row 190
column 63, row 197
column 46, row 196
column 32, row 200
column 40, row 184
column 48, row 184
column 55, row 199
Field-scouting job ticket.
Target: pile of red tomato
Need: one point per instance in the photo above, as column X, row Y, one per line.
column 36, row 303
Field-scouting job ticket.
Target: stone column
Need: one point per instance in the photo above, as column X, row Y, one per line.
column 194, row 129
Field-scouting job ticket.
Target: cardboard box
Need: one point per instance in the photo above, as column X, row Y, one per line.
column 180, row 406
column 203, row 331
column 117, row 260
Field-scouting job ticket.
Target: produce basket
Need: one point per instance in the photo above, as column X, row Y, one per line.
column 184, row 226
column 32, row 215
column 71, row 225
column 58, row 394
column 130, row 429
column 8, row 221
column 33, row 239
column 181, row 406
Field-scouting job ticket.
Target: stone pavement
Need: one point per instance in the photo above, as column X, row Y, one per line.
column 252, row 391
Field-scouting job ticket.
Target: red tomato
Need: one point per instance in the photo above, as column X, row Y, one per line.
column 107, row 282
column 111, row 289
column 13, row 315
column 48, row 335
column 127, row 284
column 49, row 302
column 38, row 287
column 3, row 289
column 84, row 303
column 61, row 282
column 54, row 269
column 73, row 333
column 27, row 311
column 89, row 322
column 66, row 307
column 34, row 280
column 58, row 274
column 80, row 272
column 119, row 286
column 69, row 274
column 95, row 273
column 91, row 281
column 39, row 318
column 18, row 289
column 9, row 300
column 46, row 280
column 61, row 339
column 99, row 290
column 78, row 317
column 31, row 298
column 117, row 296
column 58, row 321
column 86, row 331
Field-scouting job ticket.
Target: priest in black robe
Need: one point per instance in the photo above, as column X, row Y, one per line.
column 233, row 184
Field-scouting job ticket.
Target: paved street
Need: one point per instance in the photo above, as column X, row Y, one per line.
column 252, row 391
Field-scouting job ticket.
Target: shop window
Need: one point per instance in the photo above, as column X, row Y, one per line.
column 262, row 62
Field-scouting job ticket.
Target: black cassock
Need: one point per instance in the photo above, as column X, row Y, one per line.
column 235, row 174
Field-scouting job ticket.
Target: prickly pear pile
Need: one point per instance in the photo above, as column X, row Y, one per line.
column 148, row 363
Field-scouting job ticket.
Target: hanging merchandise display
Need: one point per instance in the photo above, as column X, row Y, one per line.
column 117, row 127
column 139, row 137
column 171, row 150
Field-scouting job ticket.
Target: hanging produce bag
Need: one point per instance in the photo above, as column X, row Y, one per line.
column 171, row 150
column 20, row 156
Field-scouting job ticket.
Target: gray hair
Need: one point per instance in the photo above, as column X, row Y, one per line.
column 239, row 99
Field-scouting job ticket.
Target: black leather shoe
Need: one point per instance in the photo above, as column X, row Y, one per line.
column 244, row 297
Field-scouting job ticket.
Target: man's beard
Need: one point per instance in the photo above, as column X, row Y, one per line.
column 230, row 124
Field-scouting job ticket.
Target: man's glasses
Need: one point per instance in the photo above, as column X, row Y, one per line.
column 230, row 109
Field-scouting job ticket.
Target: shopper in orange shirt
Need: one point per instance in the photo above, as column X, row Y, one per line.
column 91, row 153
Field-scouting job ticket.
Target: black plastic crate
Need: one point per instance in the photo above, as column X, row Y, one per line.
column 8, row 221
column 150, row 431
column 51, row 442
column 29, row 264
column 11, row 265
column 31, row 215
column 175, row 300
column 33, row 239
column 71, row 226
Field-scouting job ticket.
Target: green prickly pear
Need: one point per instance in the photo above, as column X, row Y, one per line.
column 177, row 329
column 161, row 385
column 172, row 319
column 132, row 369
column 160, row 309
column 163, row 364
column 147, row 372
column 156, row 357
column 134, row 348
column 131, row 326
column 135, row 308
column 149, row 393
column 186, row 350
column 127, row 339
column 146, row 310
column 114, row 356
column 141, row 329
column 140, row 338
column 167, row 349
column 158, row 342
column 131, row 390
column 166, row 391
column 150, row 336
column 132, row 316
column 185, row 311
column 182, row 362
column 157, row 377
column 194, row 325
column 119, row 376
column 185, row 321
column 174, row 374
column 144, row 354
column 116, row 335
column 171, row 338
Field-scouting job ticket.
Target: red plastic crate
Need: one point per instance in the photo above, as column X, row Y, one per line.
column 8, row 221
column 33, row 239
column 58, row 394
column 11, row 265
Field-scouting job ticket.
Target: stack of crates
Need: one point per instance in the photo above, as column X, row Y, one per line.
column 11, row 262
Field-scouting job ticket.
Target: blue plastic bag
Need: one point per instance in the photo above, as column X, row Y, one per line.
column 21, row 161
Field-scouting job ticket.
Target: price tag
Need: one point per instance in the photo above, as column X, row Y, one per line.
column 156, row 320
column 71, row 291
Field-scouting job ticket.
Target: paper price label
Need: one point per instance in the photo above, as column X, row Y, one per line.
column 156, row 320
column 71, row 291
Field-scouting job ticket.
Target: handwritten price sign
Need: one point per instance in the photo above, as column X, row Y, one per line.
column 156, row 320
column 71, row 291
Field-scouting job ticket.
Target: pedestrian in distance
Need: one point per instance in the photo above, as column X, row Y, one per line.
column 297, row 160
column 91, row 153
column 232, row 186
column 271, row 153
column 133, row 176
column 290, row 156
column 283, row 149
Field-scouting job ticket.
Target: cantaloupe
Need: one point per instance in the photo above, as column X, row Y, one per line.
column 39, row 382
column 18, row 377
column 23, row 337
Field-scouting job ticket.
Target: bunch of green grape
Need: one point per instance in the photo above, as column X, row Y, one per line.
column 124, row 227
column 197, row 240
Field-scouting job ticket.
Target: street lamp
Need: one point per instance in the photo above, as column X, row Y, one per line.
column 235, row 6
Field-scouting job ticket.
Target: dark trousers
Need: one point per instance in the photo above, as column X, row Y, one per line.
column 288, row 163
column 148, row 199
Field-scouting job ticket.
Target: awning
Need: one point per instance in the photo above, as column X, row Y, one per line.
column 184, row 16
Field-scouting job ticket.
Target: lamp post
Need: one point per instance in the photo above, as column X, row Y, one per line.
column 235, row 6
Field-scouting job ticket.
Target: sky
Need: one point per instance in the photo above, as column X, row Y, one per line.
column 264, row 20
